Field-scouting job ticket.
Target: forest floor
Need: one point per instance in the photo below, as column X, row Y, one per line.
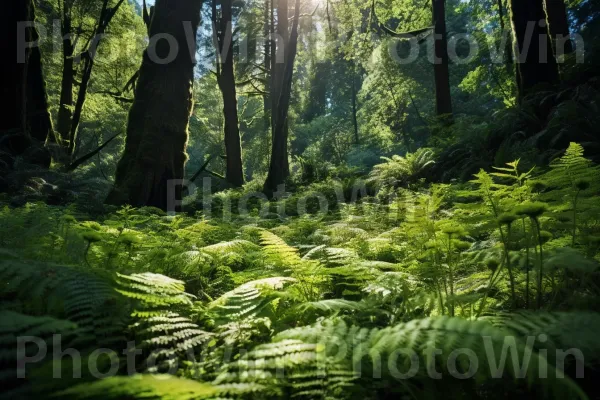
column 255, row 287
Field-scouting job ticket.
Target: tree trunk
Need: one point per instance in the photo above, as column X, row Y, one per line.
column 443, row 98
column 268, row 30
column 281, row 47
column 354, row 104
column 508, row 48
column 558, row 25
column 157, row 130
column 279, row 168
column 226, row 79
column 25, row 124
column 65, row 113
column 535, row 60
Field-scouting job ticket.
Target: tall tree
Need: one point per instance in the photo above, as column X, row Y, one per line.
column 443, row 97
column 505, row 33
column 535, row 60
column 279, row 168
column 65, row 110
column 558, row 25
column 157, row 130
column 223, row 40
column 25, row 124
column 269, row 46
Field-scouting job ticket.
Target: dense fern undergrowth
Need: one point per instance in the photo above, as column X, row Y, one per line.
column 405, row 289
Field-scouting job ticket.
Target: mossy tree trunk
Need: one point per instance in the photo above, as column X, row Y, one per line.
column 25, row 125
column 558, row 25
column 65, row 111
column 281, row 87
column 535, row 60
column 234, row 173
column 268, row 45
column 157, row 130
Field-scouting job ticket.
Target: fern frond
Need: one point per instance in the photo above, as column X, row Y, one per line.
column 154, row 292
column 248, row 300
column 332, row 349
column 36, row 331
column 561, row 330
column 332, row 256
column 232, row 246
column 162, row 313
column 331, row 305
column 86, row 297
column 277, row 249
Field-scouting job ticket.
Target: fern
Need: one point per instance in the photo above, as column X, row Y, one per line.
column 86, row 297
column 332, row 351
column 248, row 300
column 13, row 326
column 561, row 330
column 331, row 305
column 162, row 313
column 234, row 246
column 566, row 170
column 277, row 250
column 154, row 292
column 399, row 170
column 331, row 256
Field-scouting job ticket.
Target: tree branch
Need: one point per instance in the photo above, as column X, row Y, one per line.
column 202, row 168
column 89, row 155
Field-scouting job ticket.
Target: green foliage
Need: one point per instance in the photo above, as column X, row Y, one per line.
column 399, row 171
column 140, row 387
column 266, row 308
column 332, row 358
column 85, row 297
column 250, row 300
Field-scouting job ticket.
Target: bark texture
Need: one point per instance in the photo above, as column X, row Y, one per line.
column 234, row 173
column 65, row 113
column 535, row 60
column 157, row 131
column 279, row 168
column 558, row 25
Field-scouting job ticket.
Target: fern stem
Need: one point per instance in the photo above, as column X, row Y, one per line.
column 541, row 269
column 511, row 277
column 526, row 263
column 493, row 278
column 450, row 275
column 85, row 254
column 575, row 217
